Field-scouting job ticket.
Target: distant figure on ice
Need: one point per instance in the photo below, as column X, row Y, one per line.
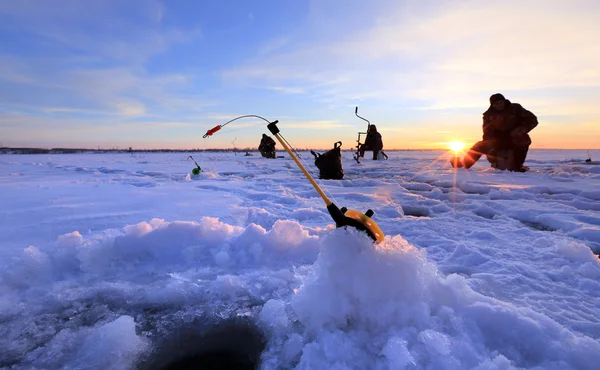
column 373, row 142
column 505, row 136
column 267, row 147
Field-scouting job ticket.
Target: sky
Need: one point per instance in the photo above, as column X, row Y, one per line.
column 152, row 74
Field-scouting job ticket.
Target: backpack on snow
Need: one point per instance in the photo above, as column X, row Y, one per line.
column 330, row 163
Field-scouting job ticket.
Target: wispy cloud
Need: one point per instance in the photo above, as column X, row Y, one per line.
column 287, row 90
column 110, row 30
column 105, row 91
column 448, row 57
column 274, row 45
column 95, row 59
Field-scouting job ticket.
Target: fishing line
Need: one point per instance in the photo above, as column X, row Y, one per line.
column 342, row 217
column 245, row 127
column 307, row 167
column 218, row 127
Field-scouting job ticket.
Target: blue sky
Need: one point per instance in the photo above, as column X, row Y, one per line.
column 149, row 73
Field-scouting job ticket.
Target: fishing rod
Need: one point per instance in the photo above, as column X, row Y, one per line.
column 213, row 130
column 218, row 127
column 342, row 217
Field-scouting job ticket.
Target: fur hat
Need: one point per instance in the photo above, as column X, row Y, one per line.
column 496, row 97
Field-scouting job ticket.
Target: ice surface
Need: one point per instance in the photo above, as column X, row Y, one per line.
column 103, row 256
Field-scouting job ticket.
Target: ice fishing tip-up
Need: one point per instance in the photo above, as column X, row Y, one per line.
column 342, row 217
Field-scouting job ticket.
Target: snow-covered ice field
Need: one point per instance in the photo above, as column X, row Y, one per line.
column 118, row 261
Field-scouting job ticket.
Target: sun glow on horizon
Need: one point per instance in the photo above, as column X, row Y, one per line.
column 456, row 146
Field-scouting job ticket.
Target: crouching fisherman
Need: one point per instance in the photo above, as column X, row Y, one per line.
column 506, row 140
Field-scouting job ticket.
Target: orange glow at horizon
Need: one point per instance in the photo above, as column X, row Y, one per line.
column 456, row 146
column 546, row 136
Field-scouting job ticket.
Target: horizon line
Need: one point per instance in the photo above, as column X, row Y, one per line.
column 131, row 149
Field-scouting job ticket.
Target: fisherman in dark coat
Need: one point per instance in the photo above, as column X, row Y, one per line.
column 373, row 142
column 506, row 140
column 267, row 146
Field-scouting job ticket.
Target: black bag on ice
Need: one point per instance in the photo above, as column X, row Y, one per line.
column 330, row 163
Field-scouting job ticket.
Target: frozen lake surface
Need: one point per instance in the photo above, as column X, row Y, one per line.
column 129, row 261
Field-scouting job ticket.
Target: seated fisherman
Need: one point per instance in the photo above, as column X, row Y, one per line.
column 267, row 147
column 373, row 142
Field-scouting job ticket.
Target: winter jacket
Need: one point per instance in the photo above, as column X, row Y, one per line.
column 498, row 125
column 266, row 142
column 373, row 141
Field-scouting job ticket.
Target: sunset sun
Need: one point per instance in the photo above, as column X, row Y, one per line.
column 456, row 146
